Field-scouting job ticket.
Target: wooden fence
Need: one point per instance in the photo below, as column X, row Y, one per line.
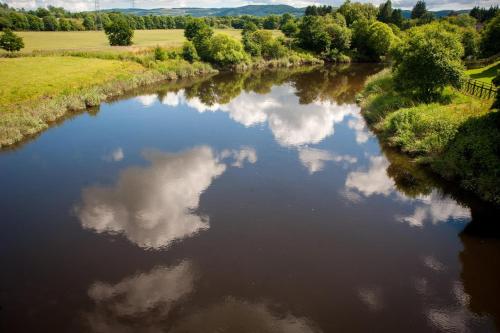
column 478, row 89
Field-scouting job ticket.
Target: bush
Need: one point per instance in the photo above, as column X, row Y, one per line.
column 225, row 51
column 290, row 28
column 380, row 39
column 490, row 40
column 427, row 60
column 119, row 32
column 189, row 52
column 9, row 41
column 262, row 43
column 160, row 54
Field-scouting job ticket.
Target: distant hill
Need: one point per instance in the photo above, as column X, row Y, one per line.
column 256, row 10
column 439, row 13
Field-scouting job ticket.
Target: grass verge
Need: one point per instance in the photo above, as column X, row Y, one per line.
column 485, row 74
column 458, row 137
column 37, row 91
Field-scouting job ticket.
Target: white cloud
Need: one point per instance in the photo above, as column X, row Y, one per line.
column 151, row 295
column 371, row 297
column 240, row 156
column 234, row 315
column 435, row 208
column 292, row 124
column 115, row 156
column 314, row 159
column 78, row 5
column 153, row 206
column 147, row 100
column 375, row 181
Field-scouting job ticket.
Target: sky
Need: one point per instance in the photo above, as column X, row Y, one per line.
column 79, row 5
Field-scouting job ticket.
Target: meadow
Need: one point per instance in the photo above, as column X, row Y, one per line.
column 97, row 41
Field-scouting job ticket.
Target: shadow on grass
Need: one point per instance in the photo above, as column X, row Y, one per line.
column 488, row 73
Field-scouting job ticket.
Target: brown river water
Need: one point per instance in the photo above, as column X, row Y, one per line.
column 254, row 202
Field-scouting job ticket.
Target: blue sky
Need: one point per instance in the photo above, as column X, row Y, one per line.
column 78, row 5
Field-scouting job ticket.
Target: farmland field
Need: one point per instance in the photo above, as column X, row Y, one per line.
column 96, row 40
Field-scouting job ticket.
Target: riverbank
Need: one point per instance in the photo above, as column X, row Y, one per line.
column 457, row 137
column 38, row 90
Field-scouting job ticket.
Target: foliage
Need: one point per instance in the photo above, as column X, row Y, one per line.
column 427, row 60
column 419, row 10
column 471, row 43
column 483, row 14
column 225, row 51
column 119, row 32
column 380, row 38
column 262, row 43
column 385, row 12
column 457, row 137
column 189, row 52
column 490, row 39
column 355, row 11
column 9, row 41
column 290, row 28
column 160, row 54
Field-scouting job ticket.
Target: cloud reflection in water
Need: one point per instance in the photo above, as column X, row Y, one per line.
column 155, row 205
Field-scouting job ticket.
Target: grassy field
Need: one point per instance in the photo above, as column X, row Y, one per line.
column 30, row 78
column 485, row 74
column 96, row 40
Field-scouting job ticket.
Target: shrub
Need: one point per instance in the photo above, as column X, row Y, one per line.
column 426, row 61
column 160, row 54
column 197, row 29
column 290, row 28
column 119, row 32
column 380, row 38
column 9, row 41
column 490, row 40
column 225, row 51
column 262, row 43
column 189, row 52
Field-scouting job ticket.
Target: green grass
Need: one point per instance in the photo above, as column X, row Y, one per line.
column 458, row 137
column 29, row 78
column 485, row 74
column 96, row 40
column 37, row 91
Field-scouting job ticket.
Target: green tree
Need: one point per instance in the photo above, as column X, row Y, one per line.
column 119, row 32
column 225, row 51
column 50, row 23
column 355, row 11
column 471, row 43
column 36, row 23
column 200, row 34
column 9, row 41
column 290, row 28
column 385, row 12
column 490, row 39
column 89, row 22
column 419, row 10
column 313, row 35
column 380, row 39
column 271, row 22
column 197, row 29
column 397, row 17
column 189, row 52
column 426, row 61
column 262, row 43
column 64, row 24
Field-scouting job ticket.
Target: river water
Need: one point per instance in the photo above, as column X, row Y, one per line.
column 254, row 202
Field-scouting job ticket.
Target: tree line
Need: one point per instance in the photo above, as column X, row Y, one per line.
column 58, row 19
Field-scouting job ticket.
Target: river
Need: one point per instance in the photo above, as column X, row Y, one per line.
column 251, row 202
